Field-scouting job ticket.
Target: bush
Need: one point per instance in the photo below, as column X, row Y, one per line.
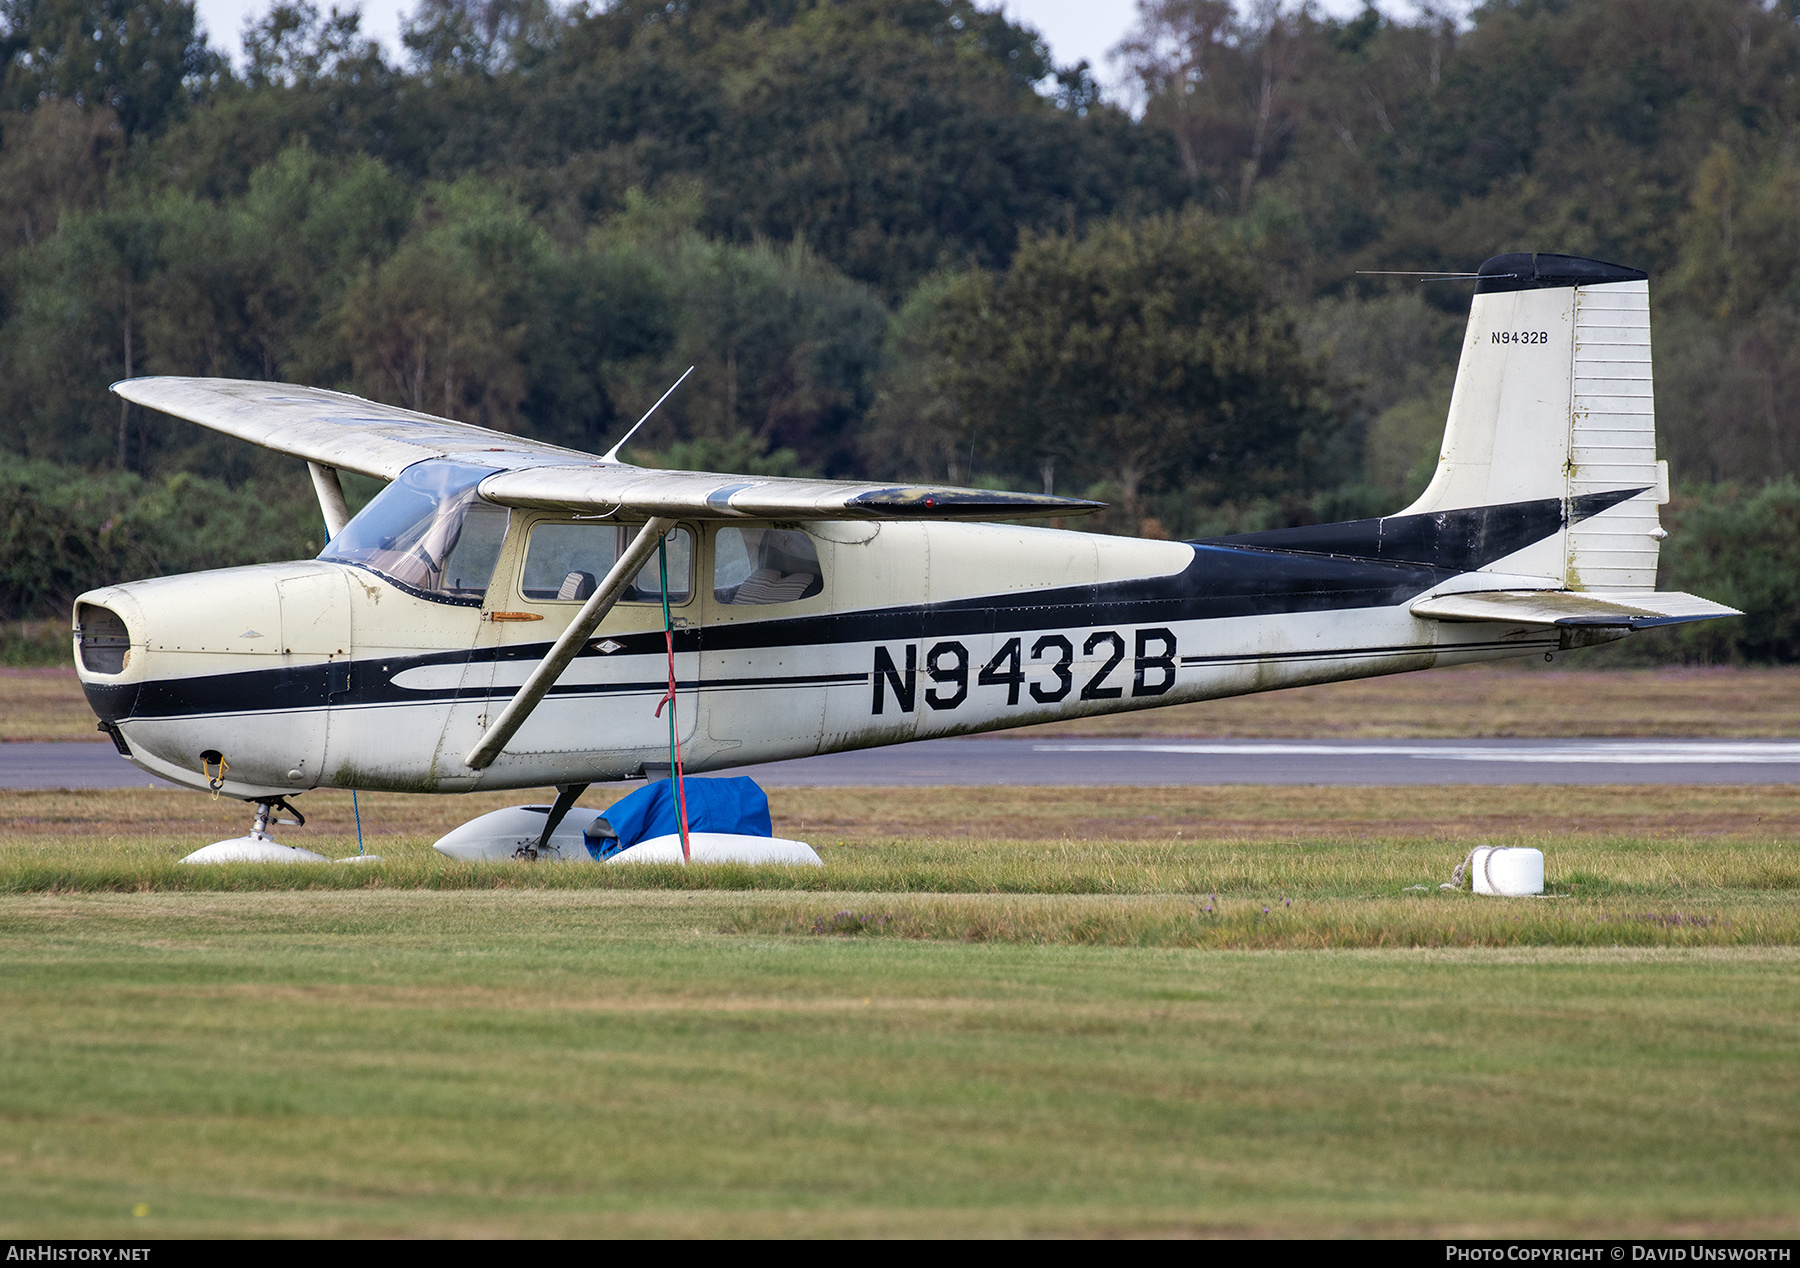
column 64, row 530
column 1735, row 546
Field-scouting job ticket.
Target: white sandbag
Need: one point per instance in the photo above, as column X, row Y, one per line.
column 720, row 847
column 252, row 849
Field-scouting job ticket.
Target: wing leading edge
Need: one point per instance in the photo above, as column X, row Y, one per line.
column 335, row 429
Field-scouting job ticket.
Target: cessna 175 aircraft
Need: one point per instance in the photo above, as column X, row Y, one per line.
column 494, row 618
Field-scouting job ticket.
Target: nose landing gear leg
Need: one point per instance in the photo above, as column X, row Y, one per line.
column 256, row 846
column 260, row 826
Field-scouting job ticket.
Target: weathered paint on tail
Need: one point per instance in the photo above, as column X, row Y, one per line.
column 1554, row 399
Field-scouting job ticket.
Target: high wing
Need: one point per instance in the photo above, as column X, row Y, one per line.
column 335, row 429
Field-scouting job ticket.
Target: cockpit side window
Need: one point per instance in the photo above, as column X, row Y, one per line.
column 469, row 566
column 567, row 562
column 430, row 532
column 765, row 565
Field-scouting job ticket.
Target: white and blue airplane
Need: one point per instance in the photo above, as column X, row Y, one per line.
column 494, row 618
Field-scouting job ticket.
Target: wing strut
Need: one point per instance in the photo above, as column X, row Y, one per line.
column 549, row 669
column 331, row 497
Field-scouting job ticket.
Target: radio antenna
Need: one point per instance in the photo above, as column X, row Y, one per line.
column 612, row 455
column 1424, row 275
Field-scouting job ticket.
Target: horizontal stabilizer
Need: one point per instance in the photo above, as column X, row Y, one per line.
column 1619, row 609
column 336, row 430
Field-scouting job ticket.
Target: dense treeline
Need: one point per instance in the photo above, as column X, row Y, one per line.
column 895, row 239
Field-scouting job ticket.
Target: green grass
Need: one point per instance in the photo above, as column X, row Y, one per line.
column 1366, row 892
column 541, row 1062
column 1428, row 920
column 1087, row 1027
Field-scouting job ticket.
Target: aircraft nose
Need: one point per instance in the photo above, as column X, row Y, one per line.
column 110, row 654
column 217, row 662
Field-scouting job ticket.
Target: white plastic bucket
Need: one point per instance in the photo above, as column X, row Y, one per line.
column 1507, row 871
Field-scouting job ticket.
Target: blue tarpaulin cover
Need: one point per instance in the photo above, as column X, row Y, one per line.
column 735, row 804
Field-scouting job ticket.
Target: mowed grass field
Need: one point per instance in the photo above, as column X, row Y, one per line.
column 993, row 1011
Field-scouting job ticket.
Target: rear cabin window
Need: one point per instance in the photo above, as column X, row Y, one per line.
column 567, row 562
column 765, row 565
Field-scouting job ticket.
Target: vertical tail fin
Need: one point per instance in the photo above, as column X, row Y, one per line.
column 1554, row 400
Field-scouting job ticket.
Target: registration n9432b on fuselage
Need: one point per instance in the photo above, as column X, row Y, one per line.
column 495, row 617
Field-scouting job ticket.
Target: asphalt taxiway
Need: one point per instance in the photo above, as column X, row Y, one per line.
column 1147, row 762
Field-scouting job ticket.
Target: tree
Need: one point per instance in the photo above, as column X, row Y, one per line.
column 295, row 46
column 450, row 37
column 79, row 324
column 784, row 346
column 1143, row 352
column 56, row 159
column 426, row 329
column 143, row 59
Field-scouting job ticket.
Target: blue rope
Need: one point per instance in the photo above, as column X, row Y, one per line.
column 353, row 806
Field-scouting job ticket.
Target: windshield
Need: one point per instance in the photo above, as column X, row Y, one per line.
column 429, row 532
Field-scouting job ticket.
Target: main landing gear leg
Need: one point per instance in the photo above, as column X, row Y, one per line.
column 566, row 797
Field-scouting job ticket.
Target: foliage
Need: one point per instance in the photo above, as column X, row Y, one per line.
column 143, row 60
column 1653, row 132
column 740, row 453
column 63, row 531
column 1739, row 547
column 1140, row 352
column 38, row 644
column 784, row 346
column 541, row 216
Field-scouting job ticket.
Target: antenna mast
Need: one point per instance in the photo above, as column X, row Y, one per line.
column 612, row 455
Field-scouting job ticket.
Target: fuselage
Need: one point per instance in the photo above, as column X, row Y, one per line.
column 332, row 674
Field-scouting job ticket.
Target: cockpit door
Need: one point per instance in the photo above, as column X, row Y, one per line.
column 600, row 720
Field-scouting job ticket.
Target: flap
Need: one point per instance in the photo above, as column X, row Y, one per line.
column 1630, row 609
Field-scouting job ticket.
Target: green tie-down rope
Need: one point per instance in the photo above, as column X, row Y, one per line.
column 662, row 562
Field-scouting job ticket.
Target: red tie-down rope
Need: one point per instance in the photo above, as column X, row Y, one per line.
column 662, row 560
